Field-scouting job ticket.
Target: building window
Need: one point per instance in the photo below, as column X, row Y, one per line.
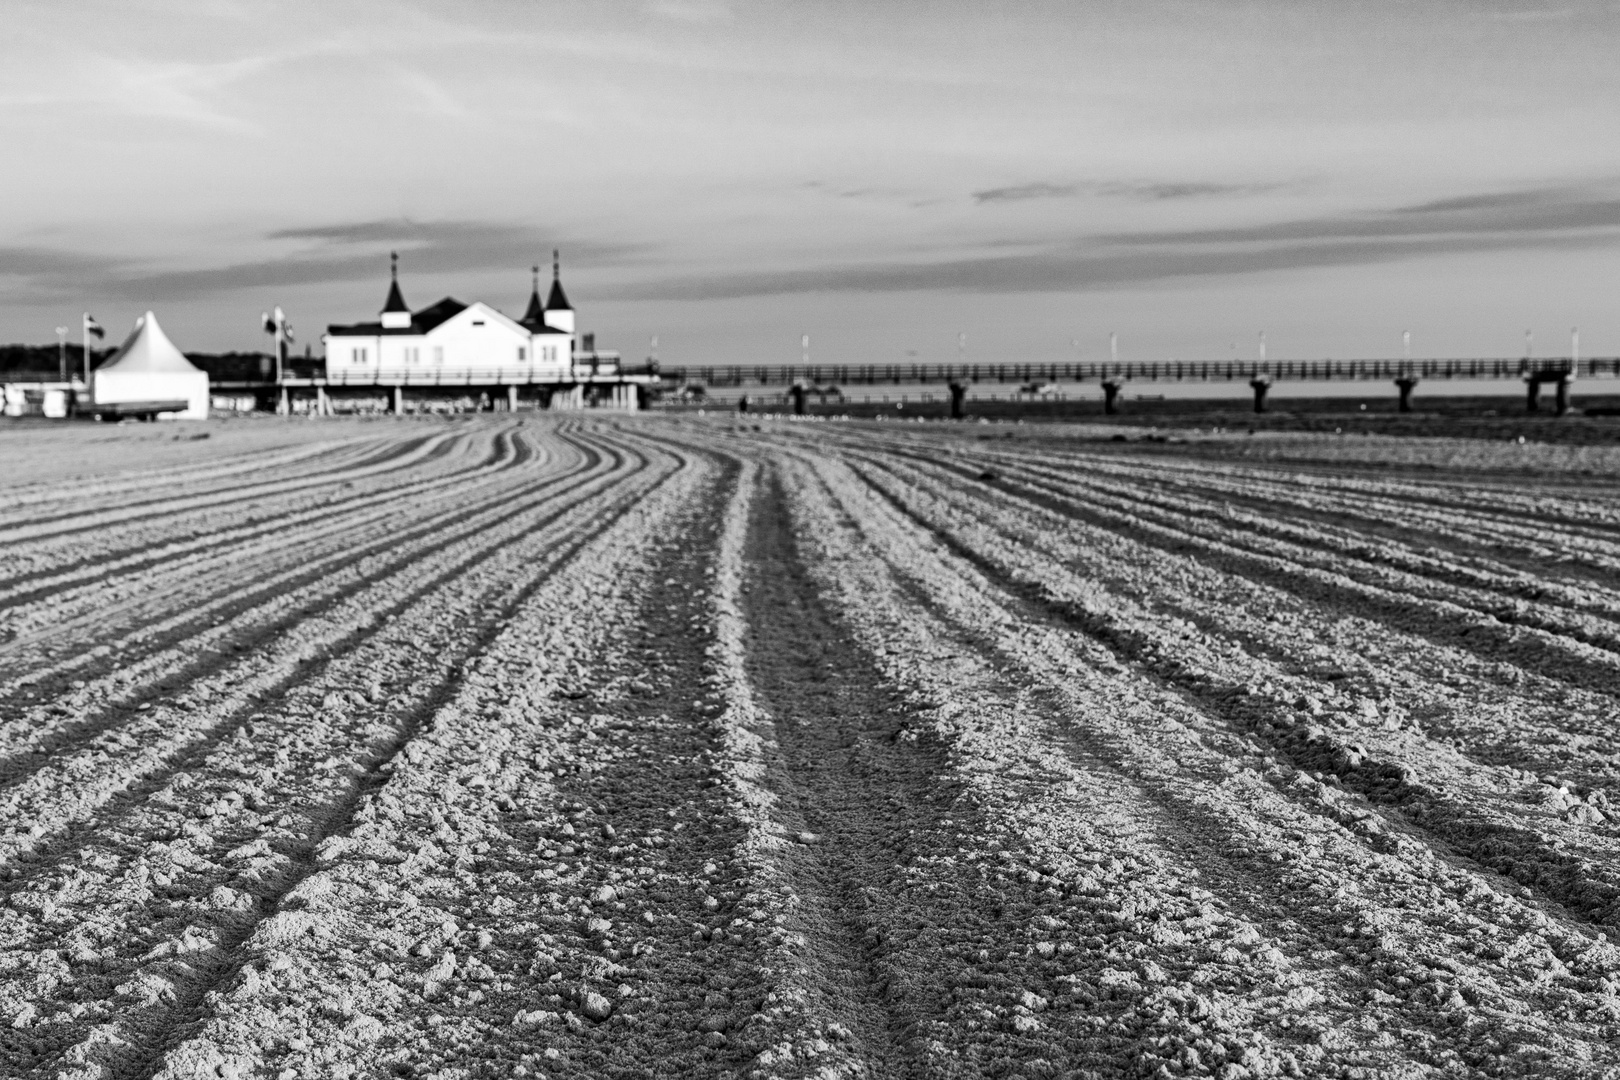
column 359, row 355
column 523, row 354
column 438, row 354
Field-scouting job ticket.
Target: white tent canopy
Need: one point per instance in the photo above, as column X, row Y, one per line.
column 148, row 370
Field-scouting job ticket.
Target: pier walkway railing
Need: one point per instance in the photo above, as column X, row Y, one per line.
column 739, row 375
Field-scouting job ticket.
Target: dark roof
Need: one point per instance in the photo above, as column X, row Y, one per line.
column 421, row 322
column 395, row 301
column 536, row 313
column 443, row 311
column 558, row 301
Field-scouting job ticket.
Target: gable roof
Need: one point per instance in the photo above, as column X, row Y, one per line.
column 147, row 349
column 421, row 322
column 434, row 314
column 431, row 317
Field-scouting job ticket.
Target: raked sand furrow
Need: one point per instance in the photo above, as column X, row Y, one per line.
column 1586, row 614
column 301, row 629
column 386, row 954
column 1215, row 781
column 46, row 661
column 1474, row 809
column 401, row 456
column 78, row 549
column 1438, row 619
column 223, row 865
column 616, row 745
column 221, row 467
column 152, row 583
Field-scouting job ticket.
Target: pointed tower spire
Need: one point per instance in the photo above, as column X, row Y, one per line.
column 558, row 300
column 395, row 315
column 559, row 312
column 536, row 313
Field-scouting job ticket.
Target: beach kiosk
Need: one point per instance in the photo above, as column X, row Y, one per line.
column 148, row 377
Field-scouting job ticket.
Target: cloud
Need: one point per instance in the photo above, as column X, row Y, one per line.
column 1183, row 191
column 1535, row 212
column 36, row 261
column 1493, row 222
column 1026, row 191
column 341, row 252
column 1490, row 201
column 357, row 251
column 1145, row 190
column 1522, row 15
column 1062, row 270
column 691, row 11
column 450, row 246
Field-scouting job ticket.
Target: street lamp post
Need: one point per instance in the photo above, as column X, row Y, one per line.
column 276, row 324
column 90, row 327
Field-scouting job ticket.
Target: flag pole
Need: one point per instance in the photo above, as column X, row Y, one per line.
column 86, row 328
column 61, row 351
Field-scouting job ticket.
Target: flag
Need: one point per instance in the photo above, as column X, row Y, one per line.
column 286, row 331
column 269, row 323
column 93, row 327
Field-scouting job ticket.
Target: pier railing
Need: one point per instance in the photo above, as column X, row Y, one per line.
column 739, row 375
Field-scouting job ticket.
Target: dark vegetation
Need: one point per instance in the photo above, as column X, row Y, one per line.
column 42, row 362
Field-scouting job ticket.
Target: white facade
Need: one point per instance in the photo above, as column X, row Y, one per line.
column 560, row 319
column 477, row 342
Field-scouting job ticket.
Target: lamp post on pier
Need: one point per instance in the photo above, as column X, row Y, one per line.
column 1407, row 381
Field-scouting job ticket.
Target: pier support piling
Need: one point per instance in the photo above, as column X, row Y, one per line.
column 797, row 393
column 1406, row 384
column 1260, row 384
column 1111, row 389
column 958, row 399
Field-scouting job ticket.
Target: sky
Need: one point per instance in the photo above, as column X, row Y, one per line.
column 900, row 181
